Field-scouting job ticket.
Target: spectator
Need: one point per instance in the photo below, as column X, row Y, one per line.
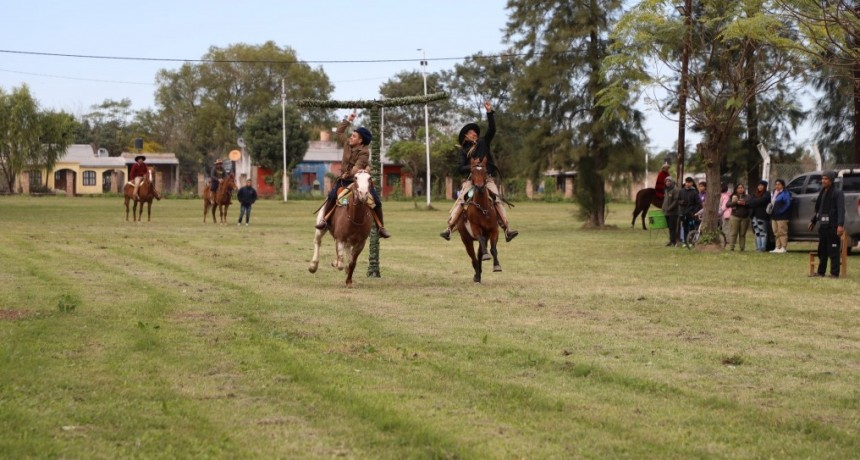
column 724, row 211
column 830, row 217
column 670, row 210
column 758, row 211
column 688, row 200
column 739, row 222
column 779, row 216
column 246, row 196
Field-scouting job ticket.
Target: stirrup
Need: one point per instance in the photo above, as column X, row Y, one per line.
column 383, row 232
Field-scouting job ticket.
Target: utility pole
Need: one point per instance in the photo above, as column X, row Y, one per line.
column 426, row 124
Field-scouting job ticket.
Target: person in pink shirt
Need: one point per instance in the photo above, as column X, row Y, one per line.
column 725, row 212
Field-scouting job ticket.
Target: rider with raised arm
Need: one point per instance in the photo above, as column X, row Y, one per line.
column 472, row 146
column 356, row 156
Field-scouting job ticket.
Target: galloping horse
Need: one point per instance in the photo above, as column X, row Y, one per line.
column 145, row 193
column 350, row 226
column 645, row 198
column 480, row 222
column 222, row 198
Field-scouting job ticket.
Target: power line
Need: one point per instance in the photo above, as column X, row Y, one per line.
column 240, row 61
column 63, row 77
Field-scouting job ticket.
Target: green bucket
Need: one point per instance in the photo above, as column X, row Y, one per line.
column 657, row 220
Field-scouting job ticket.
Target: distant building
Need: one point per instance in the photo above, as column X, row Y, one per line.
column 83, row 170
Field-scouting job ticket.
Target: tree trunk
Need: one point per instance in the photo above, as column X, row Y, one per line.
column 752, row 156
column 855, row 158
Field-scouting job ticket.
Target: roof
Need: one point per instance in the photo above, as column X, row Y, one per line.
column 151, row 158
column 84, row 155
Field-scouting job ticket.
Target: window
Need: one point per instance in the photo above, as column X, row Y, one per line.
column 796, row 185
column 308, row 179
column 89, row 178
column 814, row 184
column 35, row 179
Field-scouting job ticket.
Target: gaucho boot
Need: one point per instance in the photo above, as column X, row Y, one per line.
column 452, row 222
column 321, row 221
column 380, row 225
column 503, row 222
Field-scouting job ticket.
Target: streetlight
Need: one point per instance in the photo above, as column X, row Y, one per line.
column 284, row 135
column 426, row 123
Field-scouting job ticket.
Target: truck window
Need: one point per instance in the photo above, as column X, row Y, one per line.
column 851, row 183
column 814, row 184
column 796, row 185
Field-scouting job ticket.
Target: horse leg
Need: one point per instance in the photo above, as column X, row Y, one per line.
column 315, row 259
column 497, row 267
column 126, row 209
column 476, row 261
column 148, row 211
column 339, row 250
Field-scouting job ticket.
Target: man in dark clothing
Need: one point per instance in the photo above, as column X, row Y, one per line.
column 830, row 217
column 689, row 204
column 246, row 196
column 218, row 174
column 472, row 146
column 670, row 210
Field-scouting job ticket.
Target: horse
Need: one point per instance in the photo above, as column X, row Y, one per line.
column 145, row 193
column 645, row 198
column 350, row 226
column 222, row 198
column 480, row 221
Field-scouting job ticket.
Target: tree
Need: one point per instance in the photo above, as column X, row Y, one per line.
column 404, row 123
column 264, row 135
column 564, row 46
column 109, row 125
column 720, row 84
column 30, row 139
column 205, row 105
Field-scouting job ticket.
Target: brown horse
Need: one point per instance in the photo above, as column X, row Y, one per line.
column 350, row 226
column 645, row 198
column 480, row 221
column 145, row 192
column 222, row 198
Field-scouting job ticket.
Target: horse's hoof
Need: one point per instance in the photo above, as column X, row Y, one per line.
column 486, row 256
column 312, row 269
column 497, row 268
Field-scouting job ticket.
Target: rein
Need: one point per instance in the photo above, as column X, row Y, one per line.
column 354, row 201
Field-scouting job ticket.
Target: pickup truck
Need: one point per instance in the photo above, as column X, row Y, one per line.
column 804, row 191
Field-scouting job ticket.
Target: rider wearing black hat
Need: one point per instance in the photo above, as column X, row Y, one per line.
column 472, row 146
column 356, row 156
column 139, row 170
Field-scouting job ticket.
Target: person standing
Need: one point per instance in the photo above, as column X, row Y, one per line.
column 246, row 196
column 739, row 222
column 670, row 210
column 472, row 146
column 779, row 215
column 830, row 217
column 724, row 211
column 758, row 211
column 356, row 157
column 688, row 200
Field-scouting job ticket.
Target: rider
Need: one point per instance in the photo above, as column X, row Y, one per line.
column 660, row 186
column 215, row 178
column 356, row 156
column 473, row 146
column 139, row 170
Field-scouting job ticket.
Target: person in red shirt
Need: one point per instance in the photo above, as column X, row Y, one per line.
column 139, row 170
column 660, row 186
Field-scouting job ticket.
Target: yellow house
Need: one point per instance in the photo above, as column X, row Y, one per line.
column 85, row 171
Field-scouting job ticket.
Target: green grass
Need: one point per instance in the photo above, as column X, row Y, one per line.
column 175, row 339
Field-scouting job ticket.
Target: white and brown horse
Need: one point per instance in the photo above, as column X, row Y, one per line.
column 351, row 221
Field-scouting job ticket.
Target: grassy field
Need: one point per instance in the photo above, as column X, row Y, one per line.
column 175, row 339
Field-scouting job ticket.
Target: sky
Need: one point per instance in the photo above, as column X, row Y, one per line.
column 166, row 32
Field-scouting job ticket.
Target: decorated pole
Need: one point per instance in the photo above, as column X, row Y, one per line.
column 375, row 107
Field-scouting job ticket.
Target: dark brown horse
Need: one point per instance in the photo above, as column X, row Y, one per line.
column 350, row 226
column 645, row 198
column 145, row 192
column 480, row 222
column 222, row 198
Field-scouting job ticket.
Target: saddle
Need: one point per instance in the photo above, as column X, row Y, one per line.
column 343, row 194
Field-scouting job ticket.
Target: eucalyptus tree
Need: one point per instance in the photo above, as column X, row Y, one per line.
column 30, row 138
column 264, row 133
column 205, row 104
column 830, row 37
column 721, row 85
column 109, row 124
column 563, row 46
column 404, row 123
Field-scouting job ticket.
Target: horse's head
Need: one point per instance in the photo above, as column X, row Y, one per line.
column 362, row 185
column 230, row 183
column 479, row 173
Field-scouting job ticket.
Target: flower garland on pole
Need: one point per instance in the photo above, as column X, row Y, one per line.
column 375, row 107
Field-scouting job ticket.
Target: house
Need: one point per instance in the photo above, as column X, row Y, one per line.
column 83, row 170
